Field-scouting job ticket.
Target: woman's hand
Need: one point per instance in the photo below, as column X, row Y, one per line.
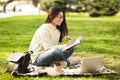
column 70, row 42
column 66, row 51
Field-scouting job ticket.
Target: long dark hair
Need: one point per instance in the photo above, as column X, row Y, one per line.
column 63, row 27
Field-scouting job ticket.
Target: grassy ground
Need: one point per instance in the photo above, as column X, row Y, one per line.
column 101, row 36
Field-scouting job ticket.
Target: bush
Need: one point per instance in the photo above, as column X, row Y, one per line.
column 95, row 13
column 104, row 8
column 110, row 13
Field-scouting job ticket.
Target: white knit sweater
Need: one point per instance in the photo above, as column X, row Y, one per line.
column 45, row 38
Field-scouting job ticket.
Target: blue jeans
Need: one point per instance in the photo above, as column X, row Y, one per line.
column 54, row 54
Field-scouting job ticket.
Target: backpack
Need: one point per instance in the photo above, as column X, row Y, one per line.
column 18, row 62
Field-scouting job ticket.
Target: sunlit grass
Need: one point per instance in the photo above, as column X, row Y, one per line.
column 101, row 36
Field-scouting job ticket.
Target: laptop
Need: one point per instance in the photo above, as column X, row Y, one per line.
column 91, row 64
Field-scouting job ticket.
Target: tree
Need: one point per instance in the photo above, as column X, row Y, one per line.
column 104, row 7
column 94, row 7
column 35, row 2
column 4, row 4
column 45, row 4
column 65, row 4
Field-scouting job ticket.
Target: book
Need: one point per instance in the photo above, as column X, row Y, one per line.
column 77, row 41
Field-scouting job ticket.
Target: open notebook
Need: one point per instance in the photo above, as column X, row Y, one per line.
column 77, row 41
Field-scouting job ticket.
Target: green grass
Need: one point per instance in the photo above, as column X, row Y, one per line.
column 101, row 36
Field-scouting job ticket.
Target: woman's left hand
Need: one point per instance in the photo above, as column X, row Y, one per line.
column 66, row 51
column 70, row 42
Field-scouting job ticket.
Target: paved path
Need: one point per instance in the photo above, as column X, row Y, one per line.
column 10, row 14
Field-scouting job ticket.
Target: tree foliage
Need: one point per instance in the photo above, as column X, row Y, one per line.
column 94, row 7
column 104, row 7
column 35, row 2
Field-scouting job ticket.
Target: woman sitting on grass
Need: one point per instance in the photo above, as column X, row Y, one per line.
column 45, row 41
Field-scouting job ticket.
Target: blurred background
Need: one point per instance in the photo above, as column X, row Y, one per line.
column 94, row 8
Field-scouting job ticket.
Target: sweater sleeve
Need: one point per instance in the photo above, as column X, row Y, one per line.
column 47, row 42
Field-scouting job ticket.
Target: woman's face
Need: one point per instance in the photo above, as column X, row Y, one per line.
column 58, row 19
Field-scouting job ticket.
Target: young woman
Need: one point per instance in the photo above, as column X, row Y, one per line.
column 45, row 41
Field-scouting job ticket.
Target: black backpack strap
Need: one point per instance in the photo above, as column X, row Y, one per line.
column 23, row 66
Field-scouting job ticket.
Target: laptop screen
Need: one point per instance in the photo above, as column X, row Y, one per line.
column 91, row 64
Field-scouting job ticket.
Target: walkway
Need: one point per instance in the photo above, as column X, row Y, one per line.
column 10, row 14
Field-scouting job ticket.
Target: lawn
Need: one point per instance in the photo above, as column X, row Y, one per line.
column 101, row 36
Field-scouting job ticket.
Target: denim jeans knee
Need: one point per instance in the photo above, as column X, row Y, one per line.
column 45, row 59
column 67, row 55
column 58, row 55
